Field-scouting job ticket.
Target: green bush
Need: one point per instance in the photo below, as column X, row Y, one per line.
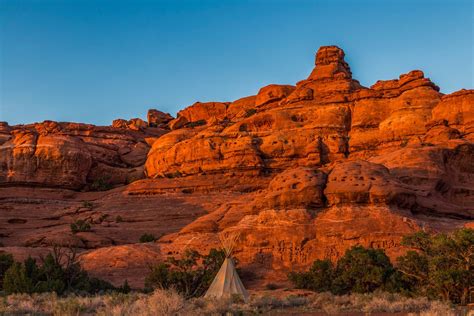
column 147, row 238
column 6, row 261
column 101, row 184
column 186, row 275
column 250, row 112
column 318, row 278
column 80, row 226
column 441, row 265
column 59, row 272
column 271, row 286
column 360, row 270
column 87, row 204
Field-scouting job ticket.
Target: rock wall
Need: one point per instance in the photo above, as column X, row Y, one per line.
column 72, row 155
column 312, row 169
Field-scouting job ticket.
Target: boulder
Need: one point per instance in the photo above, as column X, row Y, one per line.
column 272, row 93
column 157, row 118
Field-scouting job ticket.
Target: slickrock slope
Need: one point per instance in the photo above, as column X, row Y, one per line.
column 302, row 172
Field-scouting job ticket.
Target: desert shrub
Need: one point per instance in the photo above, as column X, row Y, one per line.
column 243, row 127
column 87, row 204
column 250, row 112
column 441, row 265
column 6, row 261
column 101, row 184
column 147, row 238
column 118, row 219
column 173, row 175
column 160, row 302
column 271, row 286
column 59, row 272
column 80, row 226
column 360, row 270
column 318, row 278
column 125, row 288
column 186, row 275
column 196, row 123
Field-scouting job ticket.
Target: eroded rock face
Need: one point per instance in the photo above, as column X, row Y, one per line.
column 349, row 165
column 303, row 172
column 157, row 118
column 71, row 155
column 204, row 111
column 272, row 93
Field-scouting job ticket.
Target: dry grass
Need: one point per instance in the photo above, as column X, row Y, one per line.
column 165, row 302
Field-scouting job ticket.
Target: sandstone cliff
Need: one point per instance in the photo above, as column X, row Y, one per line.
column 303, row 171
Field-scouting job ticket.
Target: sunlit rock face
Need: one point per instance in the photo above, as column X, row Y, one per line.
column 301, row 171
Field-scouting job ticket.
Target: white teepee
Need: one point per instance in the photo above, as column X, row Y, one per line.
column 227, row 281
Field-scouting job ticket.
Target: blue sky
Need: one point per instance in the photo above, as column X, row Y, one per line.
column 94, row 61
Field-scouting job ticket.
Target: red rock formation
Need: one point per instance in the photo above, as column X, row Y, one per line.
column 303, row 172
column 157, row 118
column 204, row 111
column 70, row 155
column 362, row 166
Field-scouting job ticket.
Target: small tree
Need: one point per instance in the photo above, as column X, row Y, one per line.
column 441, row 265
column 318, row 278
column 190, row 276
column 59, row 272
column 17, row 280
column 362, row 270
column 6, row 261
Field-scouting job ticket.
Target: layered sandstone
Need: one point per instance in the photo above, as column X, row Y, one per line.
column 72, row 155
column 301, row 172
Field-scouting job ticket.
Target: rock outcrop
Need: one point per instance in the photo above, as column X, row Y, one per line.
column 302, row 172
column 73, row 155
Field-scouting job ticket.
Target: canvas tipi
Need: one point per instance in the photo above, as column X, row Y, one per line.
column 227, row 282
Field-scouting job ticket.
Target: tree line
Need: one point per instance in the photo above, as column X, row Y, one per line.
column 438, row 266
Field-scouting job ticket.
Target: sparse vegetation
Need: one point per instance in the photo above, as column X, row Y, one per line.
column 80, row 226
column 101, row 184
column 87, row 204
column 169, row 302
column 58, row 272
column 196, row 123
column 271, row 286
column 6, row 261
column 147, row 238
column 118, row 219
column 173, row 175
column 250, row 112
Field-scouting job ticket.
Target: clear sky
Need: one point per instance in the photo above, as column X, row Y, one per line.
column 94, row 61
